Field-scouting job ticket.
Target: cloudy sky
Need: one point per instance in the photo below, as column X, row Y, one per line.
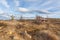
column 29, row 8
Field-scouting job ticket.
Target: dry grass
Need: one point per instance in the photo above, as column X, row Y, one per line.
column 15, row 30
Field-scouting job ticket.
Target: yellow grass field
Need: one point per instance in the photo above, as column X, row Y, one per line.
column 28, row 30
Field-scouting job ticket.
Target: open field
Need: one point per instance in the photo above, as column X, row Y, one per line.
column 28, row 30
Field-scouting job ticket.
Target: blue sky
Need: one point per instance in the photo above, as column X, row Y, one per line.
column 29, row 8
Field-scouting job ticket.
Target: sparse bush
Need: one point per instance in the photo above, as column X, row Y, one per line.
column 19, row 26
column 43, row 35
column 11, row 37
column 3, row 24
column 12, row 17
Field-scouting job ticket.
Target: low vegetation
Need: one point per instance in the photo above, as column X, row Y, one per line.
column 29, row 30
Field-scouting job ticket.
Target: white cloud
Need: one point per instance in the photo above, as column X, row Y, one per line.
column 46, row 3
column 5, row 16
column 1, row 12
column 23, row 9
column 4, row 2
column 41, row 11
column 31, row 0
column 49, row 8
column 58, row 12
column 16, row 2
column 45, row 11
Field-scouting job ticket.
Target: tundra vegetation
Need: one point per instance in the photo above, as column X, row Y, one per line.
column 30, row 30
